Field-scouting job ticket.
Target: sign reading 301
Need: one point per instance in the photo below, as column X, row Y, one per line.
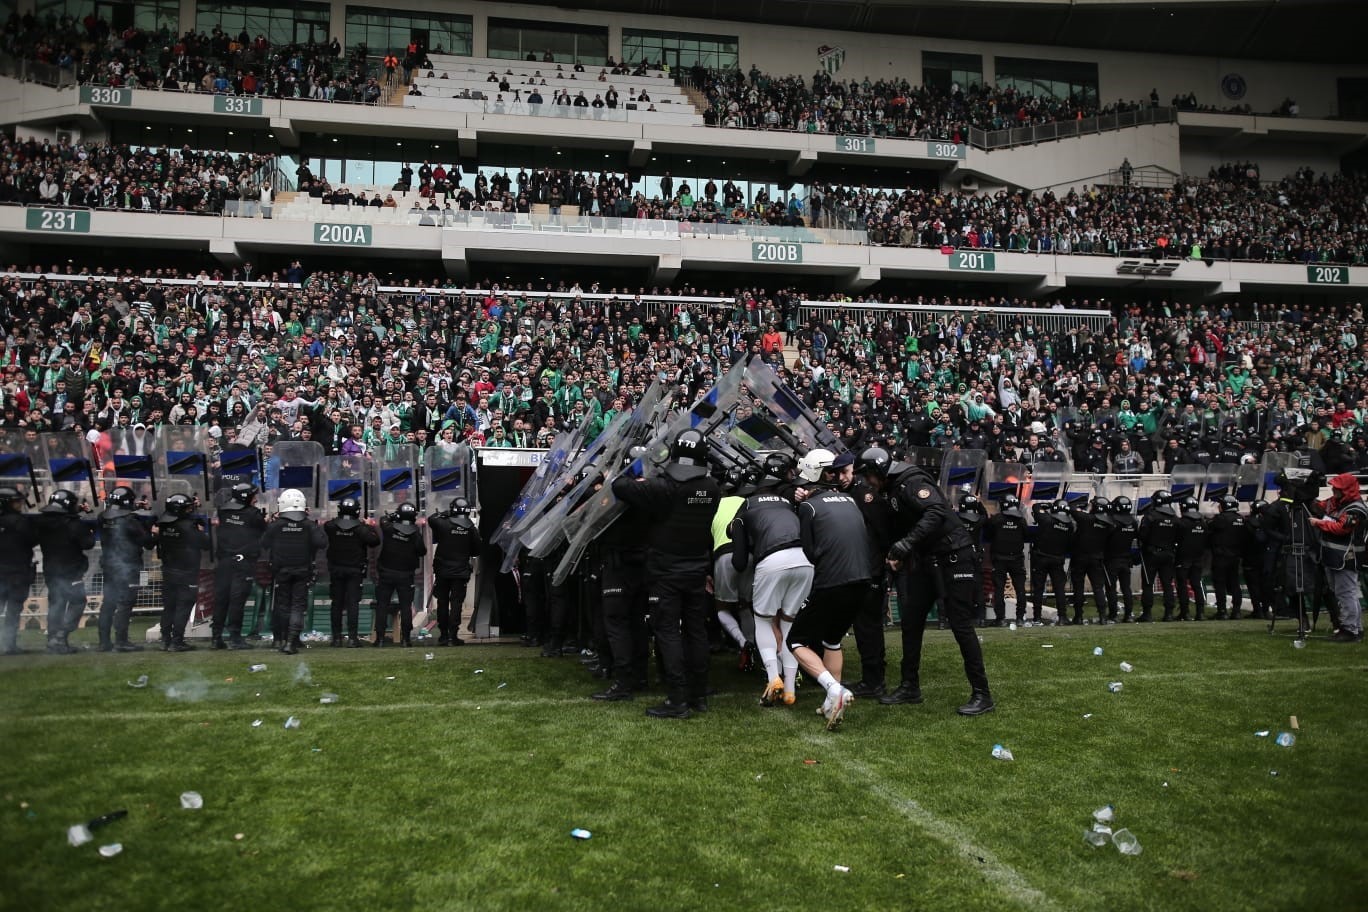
column 117, row 97
column 63, row 221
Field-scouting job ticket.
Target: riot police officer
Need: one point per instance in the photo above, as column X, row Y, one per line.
column 1192, row 548
column 932, row 559
column 17, row 541
column 64, row 540
column 123, row 538
column 401, row 552
column 1088, row 555
column 1054, row 534
column 293, row 541
column 869, row 620
column 1256, row 562
column 241, row 525
column 681, row 502
column 1118, row 559
column 1227, row 533
column 1006, row 534
column 1159, row 533
column 456, row 541
column 180, row 542
column 625, row 590
column 974, row 515
column 349, row 544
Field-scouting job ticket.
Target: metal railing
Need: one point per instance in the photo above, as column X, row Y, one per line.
column 34, row 71
column 1051, row 320
column 1067, row 129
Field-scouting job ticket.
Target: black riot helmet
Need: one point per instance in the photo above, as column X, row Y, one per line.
column 1011, row 502
column 1229, row 504
column 780, row 465
column 689, row 448
column 121, row 498
column 1101, row 505
column 1122, row 505
column 1060, row 507
column 969, row 502
column 1161, row 498
column 1190, row 505
column 243, row 493
column 406, row 513
column 459, row 506
column 179, row 505
column 349, row 506
column 10, row 497
column 873, row 461
column 62, row 501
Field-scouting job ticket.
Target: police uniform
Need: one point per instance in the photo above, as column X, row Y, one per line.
column 1118, row 557
column 975, row 519
column 123, row 538
column 456, row 542
column 349, row 544
column 17, row 542
column 1159, row 533
column 181, row 543
column 936, row 558
column 1087, row 561
column 294, row 543
column 401, row 552
column 1227, row 534
column 625, row 589
column 1054, row 535
column 869, row 620
column 1006, row 534
column 64, row 540
column 1256, row 562
column 237, row 547
column 1192, row 548
column 681, row 502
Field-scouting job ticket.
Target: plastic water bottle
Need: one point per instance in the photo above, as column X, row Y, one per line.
column 255, row 668
column 1095, row 838
column 1126, row 843
column 1002, row 753
column 1105, row 814
column 192, row 801
column 328, row 698
column 292, row 722
column 1115, row 686
column 1127, row 667
column 1286, row 739
column 141, row 682
column 578, row 833
column 1097, row 650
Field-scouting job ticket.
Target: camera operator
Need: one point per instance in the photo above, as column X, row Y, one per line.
column 1293, row 540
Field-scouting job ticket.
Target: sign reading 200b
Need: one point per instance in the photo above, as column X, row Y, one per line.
column 343, row 235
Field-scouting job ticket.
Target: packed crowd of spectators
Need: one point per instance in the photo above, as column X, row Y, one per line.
column 886, row 107
column 329, row 357
column 105, row 176
column 215, row 62
column 1228, row 215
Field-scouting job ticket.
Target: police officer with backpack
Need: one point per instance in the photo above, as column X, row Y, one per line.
column 64, row 540
column 293, row 541
column 180, row 542
column 349, row 544
column 241, row 525
column 401, row 553
column 456, row 541
column 16, row 566
column 123, row 538
column 1006, row 535
column 681, row 500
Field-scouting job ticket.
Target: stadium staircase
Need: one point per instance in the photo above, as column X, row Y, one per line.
column 696, row 98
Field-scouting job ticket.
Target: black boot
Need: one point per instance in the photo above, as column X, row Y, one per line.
column 906, row 692
column 405, row 641
column 178, row 644
column 58, row 645
column 355, row 642
column 291, row 646
column 669, row 710
column 867, row 689
column 336, row 641
column 238, row 642
column 124, row 646
column 616, row 693
column 979, row 703
column 217, row 642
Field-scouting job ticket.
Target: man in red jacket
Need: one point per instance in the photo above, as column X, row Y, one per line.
column 1343, row 529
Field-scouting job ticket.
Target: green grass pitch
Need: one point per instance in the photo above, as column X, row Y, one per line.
column 453, row 783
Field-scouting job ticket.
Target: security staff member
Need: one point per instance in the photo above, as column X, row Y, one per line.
column 1118, row 558
column 241, row 525
column 1087, row 556
column 64, row 540
column 401, row 552
column 456, row 541
column 293, row 541
column 681, row 502
column 1227, row 534
column 625, row 590
column 1054, row 536
column 123, row 538
column 974, row 515
column 832, row 532
column 17, row 542
column 1159, row 534
column 932, row 560
column 1006, row 535
column 349, row 544
column 1192, row 548
column 181, row 543
column 727, row 596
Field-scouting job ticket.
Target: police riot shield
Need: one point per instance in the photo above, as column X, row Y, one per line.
column 1187, row 481
column 1082, row 487
column 396, row 476
column 132, row 457
column 21, row 455
column 348, row 476
column 185, row 453
column 1220, row 480
column 783, row 403
column 1002, row 479
column 292, row 464
column 70, row 462
column 928, row 458
column 1072, row 427
column 1049, row 481
column 962, row 470
column 1107, row 420
column 537, row 493
column 1273, row 464
column 450, row 473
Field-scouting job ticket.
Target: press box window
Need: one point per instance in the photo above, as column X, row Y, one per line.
column 1058, row 79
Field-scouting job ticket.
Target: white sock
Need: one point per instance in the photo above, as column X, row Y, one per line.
column 728, row 622
column 828, row 683
column 768, row 647
column 789, row 661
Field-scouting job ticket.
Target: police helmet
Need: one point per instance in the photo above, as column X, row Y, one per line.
column 406, row 513
column 969, row 502
column 1229, row 504
column 243, row 493
column 460, row 505
column 1122, row 505
column 811, row 466
column 121, row 498
column 9, row 496
column 1190, row 504
column 1101, row 505
column 1059, row 506
column 689, row 448
column 349, row 506
column 1161, row 498
column 179, row 505
column 873, row 461
column 63, row 501
column 1011, row 502
column 780, row 465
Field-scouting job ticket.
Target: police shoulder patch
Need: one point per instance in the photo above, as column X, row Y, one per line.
column 923, row 493
column 868, row 498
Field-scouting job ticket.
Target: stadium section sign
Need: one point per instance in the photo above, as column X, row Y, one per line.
column 973, row 260
column 107, row 95
column 231, row 104
column 61, row 221
column 1327, row 275
column 945, row 150
column 770, row 252
column 337, row 235
column 861, row 144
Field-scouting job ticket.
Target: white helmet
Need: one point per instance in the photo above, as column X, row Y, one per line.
column 292, row 501
column 810, row 466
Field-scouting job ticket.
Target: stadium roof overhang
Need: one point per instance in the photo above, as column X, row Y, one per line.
column 1312, row 31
